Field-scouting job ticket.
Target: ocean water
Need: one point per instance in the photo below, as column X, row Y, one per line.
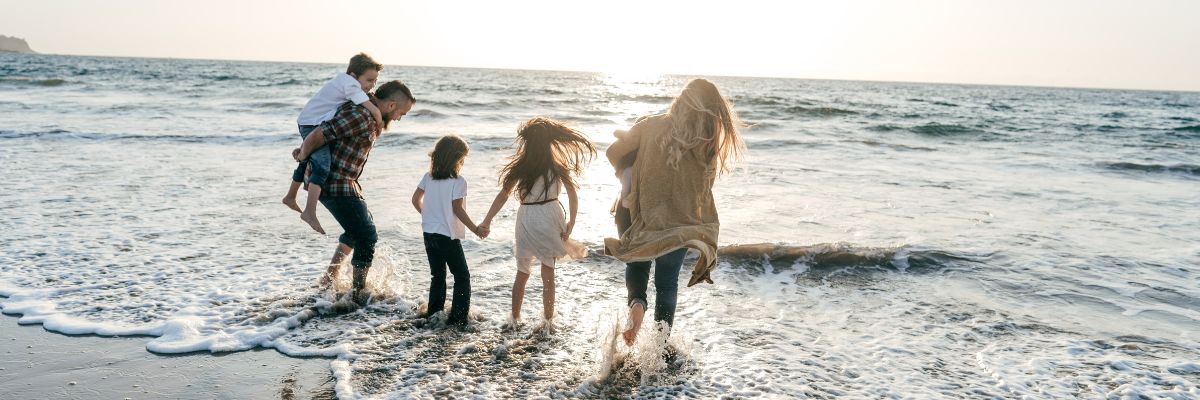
column 913, row 240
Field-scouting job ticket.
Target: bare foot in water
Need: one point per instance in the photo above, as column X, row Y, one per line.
column 636, row 312
column 290, row 201
column 311, row 219
column 328, row 277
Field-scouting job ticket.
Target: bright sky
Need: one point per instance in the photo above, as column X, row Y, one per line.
column 1150, row 44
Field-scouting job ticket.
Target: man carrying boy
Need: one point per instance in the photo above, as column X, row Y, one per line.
column 350, row 135
column 352, row 86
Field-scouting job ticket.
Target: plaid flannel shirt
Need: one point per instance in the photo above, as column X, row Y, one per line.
column 350, row 135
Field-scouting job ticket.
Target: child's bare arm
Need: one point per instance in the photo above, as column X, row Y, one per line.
column 417, row 198
column 375, row 113
column 574, row 210
column 497, row 204
column 460, row 211
column 314, row 141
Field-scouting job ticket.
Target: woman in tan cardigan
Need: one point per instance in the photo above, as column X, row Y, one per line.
column 678, row 157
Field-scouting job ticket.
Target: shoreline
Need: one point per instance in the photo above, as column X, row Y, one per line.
column 39, row 363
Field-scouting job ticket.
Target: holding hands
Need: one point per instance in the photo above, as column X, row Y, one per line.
column 483, row 230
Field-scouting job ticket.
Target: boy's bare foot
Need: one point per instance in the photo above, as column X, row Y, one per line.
column 311, row 219
column 290, row 201
column 636, row 312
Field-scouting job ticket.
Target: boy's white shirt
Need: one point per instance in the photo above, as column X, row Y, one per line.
column 323, row 105
column 437, row 210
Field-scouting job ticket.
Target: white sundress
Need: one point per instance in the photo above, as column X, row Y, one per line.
column 539, row 230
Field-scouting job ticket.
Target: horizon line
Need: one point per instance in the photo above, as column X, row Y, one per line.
column 659, row 74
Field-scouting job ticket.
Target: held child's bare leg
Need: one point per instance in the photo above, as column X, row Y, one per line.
column 335, row 264
column 636, row 312
column 518, row 295
column 547, row 292
column 309, row 215
column 289, row 199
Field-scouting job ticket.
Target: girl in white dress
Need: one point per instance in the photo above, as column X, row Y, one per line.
column 549, row 157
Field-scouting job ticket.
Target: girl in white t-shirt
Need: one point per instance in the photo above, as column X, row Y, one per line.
column 441, row 199
column 550, row 156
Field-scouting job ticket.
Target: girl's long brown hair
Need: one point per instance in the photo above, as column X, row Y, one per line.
column 447, row 156
column 546, row 150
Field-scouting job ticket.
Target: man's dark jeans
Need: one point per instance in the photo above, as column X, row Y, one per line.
column 354, row 217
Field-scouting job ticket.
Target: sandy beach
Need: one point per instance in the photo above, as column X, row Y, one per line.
column 39, row 364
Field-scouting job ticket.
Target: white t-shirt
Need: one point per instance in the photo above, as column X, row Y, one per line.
column 437, row 212
column 322, row 106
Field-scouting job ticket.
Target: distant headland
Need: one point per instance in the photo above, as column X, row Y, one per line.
column 14, row 45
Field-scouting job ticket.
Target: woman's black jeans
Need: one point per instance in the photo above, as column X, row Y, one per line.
column 666, row 283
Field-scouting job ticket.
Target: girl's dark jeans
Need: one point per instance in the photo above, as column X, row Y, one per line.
column 446, row 252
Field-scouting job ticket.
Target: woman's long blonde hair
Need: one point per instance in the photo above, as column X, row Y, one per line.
column 701, row 116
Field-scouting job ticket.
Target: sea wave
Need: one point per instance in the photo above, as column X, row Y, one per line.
column 584, row 120
column 468, row 105
column 419, row 141
column 767, row 101
column 936, row 129
column 220, row 78
column 769, row 144
column 885, row 128
column 896, row 146
column 818, row 111
column 934, row 102
column 59, row 134
column 274, row 104
column 1185, row 169
column 52, row 82
column 426, row 113
column 840, row 255
column 645, row 98
column 291, row 82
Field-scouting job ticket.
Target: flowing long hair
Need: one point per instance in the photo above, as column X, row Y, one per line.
column 546, row 150
column 447, row 157
column 701, row 116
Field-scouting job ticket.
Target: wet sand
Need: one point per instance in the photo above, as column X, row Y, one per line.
column 39, row 364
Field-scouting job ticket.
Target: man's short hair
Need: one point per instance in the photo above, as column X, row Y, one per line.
column 360, row 63
column 395, row 91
